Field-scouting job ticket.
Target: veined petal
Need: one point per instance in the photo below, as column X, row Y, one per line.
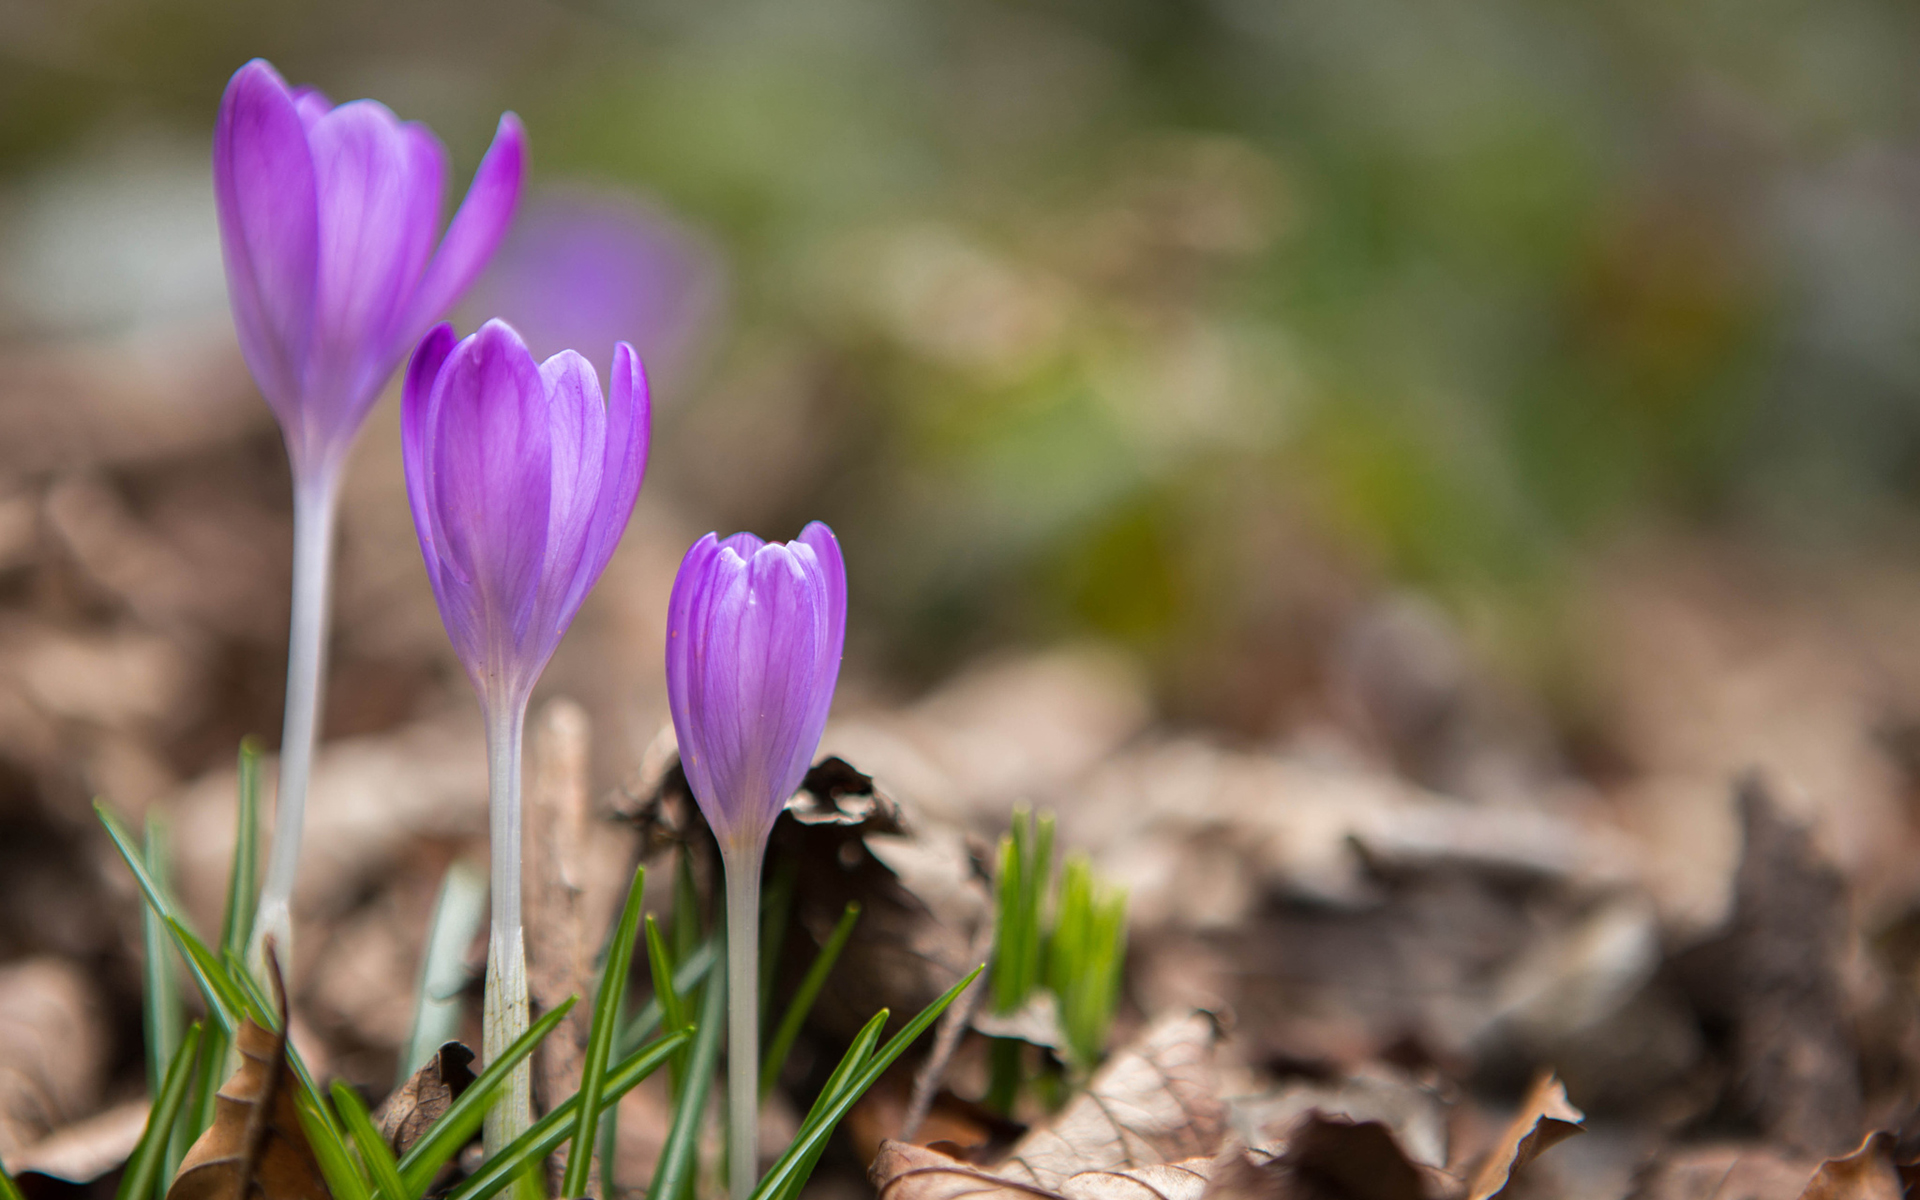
column 829, row 574
column 624, row 467
column 577, row 429
column 754, row 637
column 415, row 440
column 264, row 189
column 379, row 184
column 490, row 491
column 475, row 232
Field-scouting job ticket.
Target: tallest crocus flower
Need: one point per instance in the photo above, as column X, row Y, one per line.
column 329, row 219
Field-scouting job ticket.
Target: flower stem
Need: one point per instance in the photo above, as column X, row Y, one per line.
column 504, row 1013
column 315, row 503
column 742, row 866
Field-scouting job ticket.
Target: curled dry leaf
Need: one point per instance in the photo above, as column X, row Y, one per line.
column 1155, row 1102
column 255, row 1144
column 1868, row 1173
column 423, row 1099
column 1545, row 1120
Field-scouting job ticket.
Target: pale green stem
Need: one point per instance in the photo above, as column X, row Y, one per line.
column 742, row 863
column 504, row 1013
column 315, row 503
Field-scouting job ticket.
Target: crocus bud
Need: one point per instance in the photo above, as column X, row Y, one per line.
column 329, row 218
column 754, row 635
column 521, row 481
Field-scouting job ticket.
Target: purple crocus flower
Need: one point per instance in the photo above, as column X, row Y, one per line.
column 754, row 635
column 521, row 481
column 329, row 219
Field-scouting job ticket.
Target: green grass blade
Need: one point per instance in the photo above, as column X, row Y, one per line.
column 796, row 1015
column 343, row 1177
column 457, row 1125
column 142, row 1176
column 850, row 1064
column 207, row 1078
column 457, row 915
column 788, row 1172
column 557, row 1126
column 686, row 905
column 160, row 1009
column 374, row 1153
column 9, row 1190
column 685, row 979
column 776, row 909
column 243, row 887
column 158, row 900
column 673, row 1175
column 606, row 1016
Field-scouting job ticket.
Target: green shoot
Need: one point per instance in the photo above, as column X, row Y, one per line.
column 673, row 1175
column 802, row 1004
column 1086, row 957
column 686, row 977
column 672, row 1008
column 457, row 914
column 457, row 1125
column 686, row 906
column 776, row 908
column 606, row 1016
column 161, row 1012
column 9, row 1190
column 550, row 1131
column 790, row 1172
column 236, row 926
column 142, row 1177
column 374, row 1154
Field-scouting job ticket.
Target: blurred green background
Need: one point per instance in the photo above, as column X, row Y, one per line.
column 1170, row 322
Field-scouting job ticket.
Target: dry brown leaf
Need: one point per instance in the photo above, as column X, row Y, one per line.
column 423, row 1099
column 85, row 1150
column 1155, row 1102
column 903, row 1171
column 255, row 1142
column 1545, row 1120
column 1351, row 1160
column 1866, row 1174
column 1720, row 1173
column 53, row 1049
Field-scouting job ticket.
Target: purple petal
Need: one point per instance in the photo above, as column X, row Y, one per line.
column 753, row 649
column 312, row 104
column 415, row 438
column 577, row 432
column 628, row 429
column 264, row 189
column 379, row 184
column 829, row 572
column 490, row 491
column 475, row 232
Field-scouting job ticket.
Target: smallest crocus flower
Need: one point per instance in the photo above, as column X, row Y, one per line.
column 521, row 481
column 754, row 636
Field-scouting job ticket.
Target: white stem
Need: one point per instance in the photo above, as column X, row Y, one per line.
column 743, row 1015
column 315, row 503
column 504, row 1013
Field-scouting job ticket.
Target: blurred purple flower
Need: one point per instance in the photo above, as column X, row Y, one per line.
column 521, row 481
column 329, row 218
column 590, row 269
column 754, row 635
